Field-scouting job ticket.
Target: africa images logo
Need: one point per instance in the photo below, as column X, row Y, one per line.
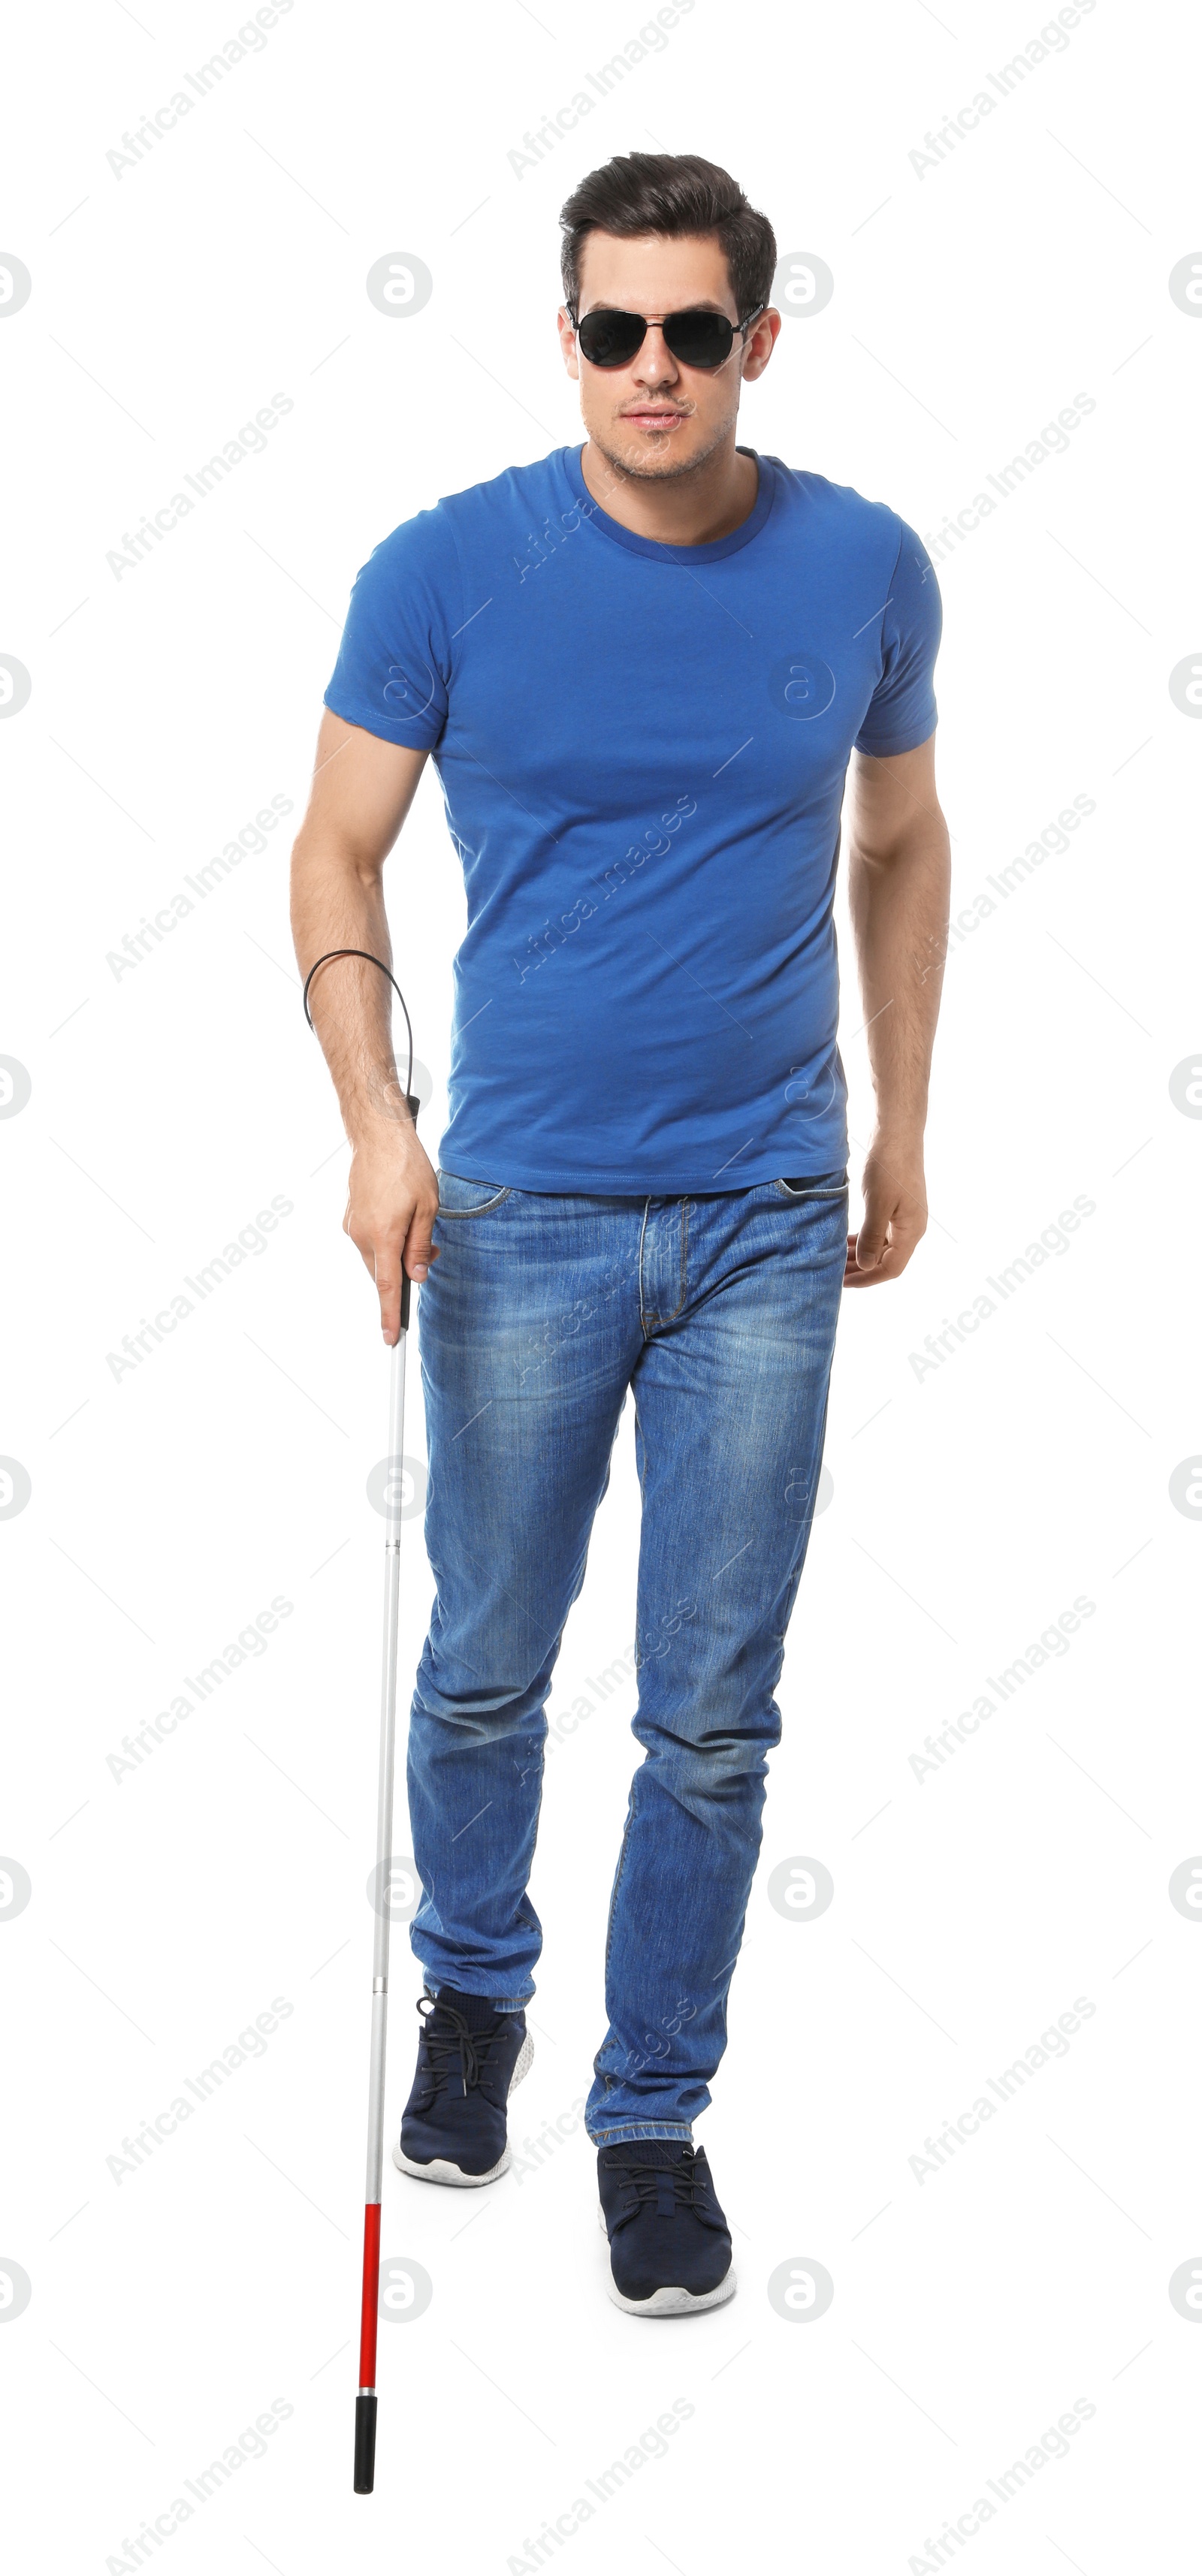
column 802, row 686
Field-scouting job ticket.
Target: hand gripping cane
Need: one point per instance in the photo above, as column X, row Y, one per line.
column 365, row 2402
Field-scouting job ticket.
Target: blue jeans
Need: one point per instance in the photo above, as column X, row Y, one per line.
column 541, row 1311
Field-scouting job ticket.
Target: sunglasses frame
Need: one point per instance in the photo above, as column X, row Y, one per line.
column 648, row 320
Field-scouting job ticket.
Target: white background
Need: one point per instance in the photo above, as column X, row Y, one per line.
column 972, row 301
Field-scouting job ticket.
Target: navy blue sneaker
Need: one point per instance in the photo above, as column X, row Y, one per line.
column 469, row 2058
column 669, row 2244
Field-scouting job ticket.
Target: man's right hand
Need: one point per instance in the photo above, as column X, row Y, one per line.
column 392, row 1202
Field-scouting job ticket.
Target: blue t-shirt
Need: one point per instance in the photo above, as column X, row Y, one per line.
column 642, row 751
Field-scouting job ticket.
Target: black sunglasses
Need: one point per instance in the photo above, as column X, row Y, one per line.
column 611, row 339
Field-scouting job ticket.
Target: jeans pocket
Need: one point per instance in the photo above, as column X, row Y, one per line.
column 813, row 1185
column 457, row 1197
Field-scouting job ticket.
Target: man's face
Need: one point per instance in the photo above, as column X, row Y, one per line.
column 658, row 418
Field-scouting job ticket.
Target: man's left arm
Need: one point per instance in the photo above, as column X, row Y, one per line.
column 899, row 877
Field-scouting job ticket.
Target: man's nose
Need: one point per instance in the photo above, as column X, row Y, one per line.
column 655, row 364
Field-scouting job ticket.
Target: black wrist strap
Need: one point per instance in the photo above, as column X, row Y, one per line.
column 365, row 953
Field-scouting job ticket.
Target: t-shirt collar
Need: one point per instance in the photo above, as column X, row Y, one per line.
column 684, row 555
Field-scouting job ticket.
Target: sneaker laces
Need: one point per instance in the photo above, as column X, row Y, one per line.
column 688, row 2187
column 472, row 2049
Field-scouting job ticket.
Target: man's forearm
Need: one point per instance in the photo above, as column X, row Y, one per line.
column 899, row 906
column 362, row 790
column 339, row 903
column 898, row 880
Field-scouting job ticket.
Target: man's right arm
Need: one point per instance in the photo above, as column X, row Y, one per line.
column 362, row 791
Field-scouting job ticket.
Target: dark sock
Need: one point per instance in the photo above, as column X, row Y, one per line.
column 477, row 2010
column 659, row 2152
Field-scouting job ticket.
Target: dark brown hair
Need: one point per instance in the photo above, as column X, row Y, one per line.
column 671, row 193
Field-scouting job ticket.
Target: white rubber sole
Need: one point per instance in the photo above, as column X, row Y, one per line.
column 440, row 2169
column 668, row 2301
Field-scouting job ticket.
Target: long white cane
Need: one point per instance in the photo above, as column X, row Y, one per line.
column 365, row 2402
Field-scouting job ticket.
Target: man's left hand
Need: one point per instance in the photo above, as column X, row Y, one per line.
column 895, row 1213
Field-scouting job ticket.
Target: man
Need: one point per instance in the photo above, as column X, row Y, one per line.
column 642, row 667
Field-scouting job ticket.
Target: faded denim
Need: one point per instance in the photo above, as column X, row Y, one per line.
column 543, row 1310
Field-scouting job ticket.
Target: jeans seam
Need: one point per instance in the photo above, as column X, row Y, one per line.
column 823, row 1189
column 684, row 1245
column 645, row 1320
column 628, row 2133
column 617, row 1885
column 460, row 1216
column 653, row 1317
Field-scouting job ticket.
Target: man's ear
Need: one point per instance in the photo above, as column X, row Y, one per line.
column 760, row 343
column 567, row 342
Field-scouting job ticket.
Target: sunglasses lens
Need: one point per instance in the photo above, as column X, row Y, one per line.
column 611, row 339
column 699, row 339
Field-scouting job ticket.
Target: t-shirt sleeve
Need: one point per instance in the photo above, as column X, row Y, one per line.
column 903, row 712
column 393, row 671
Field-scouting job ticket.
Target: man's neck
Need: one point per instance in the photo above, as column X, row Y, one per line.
column 680, row 510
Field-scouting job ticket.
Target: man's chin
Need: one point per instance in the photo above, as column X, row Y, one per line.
column 652, row 457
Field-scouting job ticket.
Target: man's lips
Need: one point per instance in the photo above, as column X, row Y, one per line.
column 652, row 416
